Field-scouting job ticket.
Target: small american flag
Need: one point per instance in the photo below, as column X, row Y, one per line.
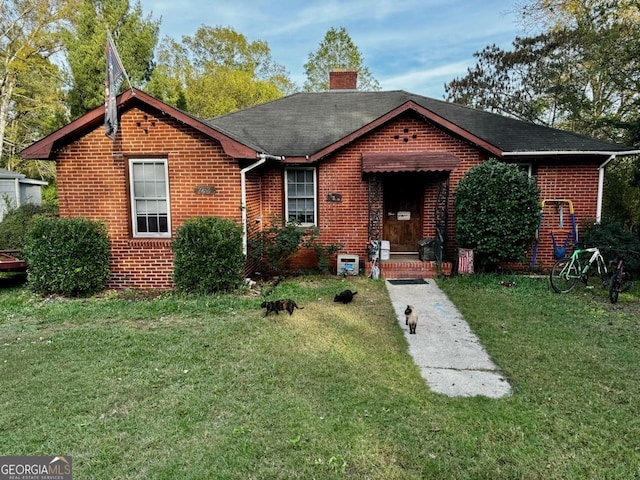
column 115, row 75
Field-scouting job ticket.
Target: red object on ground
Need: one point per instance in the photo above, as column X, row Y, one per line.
column 9, row 262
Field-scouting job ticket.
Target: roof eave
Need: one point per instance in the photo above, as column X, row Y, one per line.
column 31, row 181
column 46, row 148
column 407, row 106
column 554, row 153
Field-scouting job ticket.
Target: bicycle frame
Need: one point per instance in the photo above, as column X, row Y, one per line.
column 567, row 271
column 596, row 257
column 575, row 258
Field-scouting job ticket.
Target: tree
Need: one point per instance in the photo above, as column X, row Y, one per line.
column 336, row 51
column 37, row 110
column 520, row 82
column 217, row 71
column 30, row 84
column 170, row 76
column 620, row 67
column 497, row 211
column 135, row 37
column 562, row 13
column 622, row 193
column 580, row 74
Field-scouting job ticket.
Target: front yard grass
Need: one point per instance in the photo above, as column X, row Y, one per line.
column 206, row 387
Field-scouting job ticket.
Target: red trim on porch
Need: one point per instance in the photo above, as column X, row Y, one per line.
column 409, row 162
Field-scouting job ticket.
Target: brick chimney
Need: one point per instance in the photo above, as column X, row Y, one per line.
column 343, row 79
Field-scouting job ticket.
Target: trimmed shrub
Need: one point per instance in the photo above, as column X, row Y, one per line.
column 15, row 225
column 67, row 256
column 208, row 255
column 497, row 211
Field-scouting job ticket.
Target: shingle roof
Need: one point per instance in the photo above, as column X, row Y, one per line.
column 303, row 124
column 9, row 174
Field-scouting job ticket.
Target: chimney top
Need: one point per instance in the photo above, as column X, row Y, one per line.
column 343, row 79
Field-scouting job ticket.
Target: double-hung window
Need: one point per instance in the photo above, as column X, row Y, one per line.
column 149, row 184
column 300, row 196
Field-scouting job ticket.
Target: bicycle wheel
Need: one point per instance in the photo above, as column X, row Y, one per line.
column 564, row 275
column 614, row 287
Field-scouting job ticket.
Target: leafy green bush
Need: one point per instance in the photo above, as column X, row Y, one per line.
column 324, row 252
column 613, row 239
column 622, row 192
column 272, row 247
column 497, row 209
column 67, row 256
column 50, row 196
column 15, row 225
column 208, row 255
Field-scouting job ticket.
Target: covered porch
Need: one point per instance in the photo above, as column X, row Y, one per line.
column 408, row 202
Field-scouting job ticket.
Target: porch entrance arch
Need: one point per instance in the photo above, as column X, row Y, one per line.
column 401, row 197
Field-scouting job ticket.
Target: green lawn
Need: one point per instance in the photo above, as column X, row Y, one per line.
column 206, row 387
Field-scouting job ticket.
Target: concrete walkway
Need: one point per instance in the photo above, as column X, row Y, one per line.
column 448, row 353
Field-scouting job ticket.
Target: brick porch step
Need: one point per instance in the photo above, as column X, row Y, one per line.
column 409, row 268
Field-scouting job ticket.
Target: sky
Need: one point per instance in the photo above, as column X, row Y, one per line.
column 412, row 45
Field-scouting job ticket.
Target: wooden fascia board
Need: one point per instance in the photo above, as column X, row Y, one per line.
column 230, row 146
column 405, row 107
column 45, row 149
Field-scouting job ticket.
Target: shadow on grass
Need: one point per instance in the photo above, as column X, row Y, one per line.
column 9, row 280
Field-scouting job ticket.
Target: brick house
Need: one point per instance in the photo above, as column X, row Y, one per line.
column 360, row 166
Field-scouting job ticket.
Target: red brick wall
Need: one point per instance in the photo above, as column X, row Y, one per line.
column 92, row 183
column 574, row 181
column 343, row 79
column 254, row 202
column 346, row 222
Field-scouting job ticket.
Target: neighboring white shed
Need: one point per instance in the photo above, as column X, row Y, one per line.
column 17, row 190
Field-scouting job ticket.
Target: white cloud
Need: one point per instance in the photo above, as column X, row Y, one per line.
column 429, row 81
column 414, row 45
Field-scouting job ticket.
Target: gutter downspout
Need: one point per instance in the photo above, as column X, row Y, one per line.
column 243, row 202
column 601, row 170
column 17, row 190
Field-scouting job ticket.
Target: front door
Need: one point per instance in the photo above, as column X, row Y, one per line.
column 402, row 224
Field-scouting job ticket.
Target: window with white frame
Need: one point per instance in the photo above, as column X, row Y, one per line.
column 149, row 186
column 526, row 168
column 300, row 195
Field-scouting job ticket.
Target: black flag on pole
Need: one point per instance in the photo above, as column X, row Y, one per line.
column 115, row 75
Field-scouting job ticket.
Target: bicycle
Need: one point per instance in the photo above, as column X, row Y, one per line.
column 568, row 270
column 621, row 280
